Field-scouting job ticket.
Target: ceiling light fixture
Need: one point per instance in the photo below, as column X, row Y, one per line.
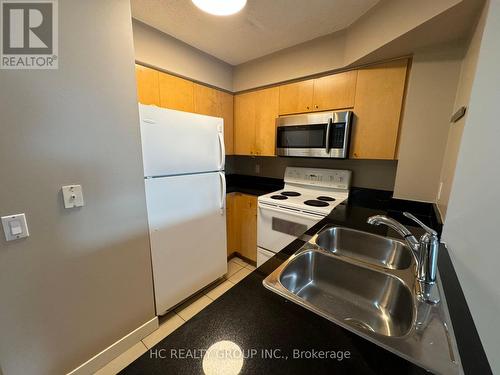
column 220, row 7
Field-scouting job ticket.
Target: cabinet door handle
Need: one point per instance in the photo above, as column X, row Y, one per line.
column 317, row 106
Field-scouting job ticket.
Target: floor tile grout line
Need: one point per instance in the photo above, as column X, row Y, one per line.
column 202, row 294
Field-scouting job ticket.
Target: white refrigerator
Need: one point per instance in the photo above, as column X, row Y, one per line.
column 184, row 157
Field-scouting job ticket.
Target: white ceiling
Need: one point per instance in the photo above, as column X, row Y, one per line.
column 262, row 27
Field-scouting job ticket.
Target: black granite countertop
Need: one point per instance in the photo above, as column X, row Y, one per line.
column 252, row 185
column 257, row 319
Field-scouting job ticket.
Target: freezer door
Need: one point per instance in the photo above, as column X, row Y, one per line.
column 187, row 226
column 175, row 142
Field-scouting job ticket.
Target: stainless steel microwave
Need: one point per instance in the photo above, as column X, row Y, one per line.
column 317, row 135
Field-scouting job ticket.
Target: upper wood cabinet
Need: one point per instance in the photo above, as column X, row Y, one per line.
column 244, row 124
column 148, row 88
column 176, row 93
column 330, row 92
column 377, row 110
column 212, row 102
column 206, row 101
column 296, row 97
column 255, row 118
column 165, row 90
column 335, row 91
column 227, row 113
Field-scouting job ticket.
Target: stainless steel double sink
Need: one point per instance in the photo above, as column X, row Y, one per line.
column 366, row 283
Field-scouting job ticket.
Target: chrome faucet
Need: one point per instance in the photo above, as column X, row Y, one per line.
column 424, row 250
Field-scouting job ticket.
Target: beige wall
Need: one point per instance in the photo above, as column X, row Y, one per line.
column 387, row 21
column 471, row 226
column 467, row 74
column 319, row 55
column 381, row 25
column 374, row 174
column 384, row 23
column 82, row 280
column 162, row 51
column 432, row 86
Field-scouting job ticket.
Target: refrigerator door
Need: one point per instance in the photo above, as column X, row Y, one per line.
column 175, row 142
column 187, row 225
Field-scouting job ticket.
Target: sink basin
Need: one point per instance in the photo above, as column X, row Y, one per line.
column 365, row 247
column 371, row 300
column 367, row 284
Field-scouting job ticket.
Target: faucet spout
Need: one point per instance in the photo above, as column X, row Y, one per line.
column 397, row 227
column 424, row 250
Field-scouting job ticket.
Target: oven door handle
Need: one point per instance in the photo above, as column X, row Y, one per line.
column 328, row 127
column 291, row 212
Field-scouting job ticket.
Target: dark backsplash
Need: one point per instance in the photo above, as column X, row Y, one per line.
column 373, row 174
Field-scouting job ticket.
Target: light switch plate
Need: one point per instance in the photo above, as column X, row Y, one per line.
column 15, row 227
column 73, row 196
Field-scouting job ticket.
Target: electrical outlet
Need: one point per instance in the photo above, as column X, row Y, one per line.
column 72, row 196
column 257, row 168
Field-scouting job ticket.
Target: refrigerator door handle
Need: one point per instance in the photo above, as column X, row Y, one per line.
column 222, row 151
column 223, row 192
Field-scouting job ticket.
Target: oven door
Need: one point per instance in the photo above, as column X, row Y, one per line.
column 278, row 227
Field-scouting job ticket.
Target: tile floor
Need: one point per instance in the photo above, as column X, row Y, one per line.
column 237, row 270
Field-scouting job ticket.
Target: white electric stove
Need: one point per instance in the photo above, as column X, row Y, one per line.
column 309, row 195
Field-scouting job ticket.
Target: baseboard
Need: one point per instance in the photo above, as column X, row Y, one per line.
column 237, row 254
column 111, row 352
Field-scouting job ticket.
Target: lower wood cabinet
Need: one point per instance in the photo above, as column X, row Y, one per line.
column 233, row 235
column 242, row 225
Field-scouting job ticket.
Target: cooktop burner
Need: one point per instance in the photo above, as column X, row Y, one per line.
column 278, row 197
column 315, row 203
column 290, row 193
column 325, row 198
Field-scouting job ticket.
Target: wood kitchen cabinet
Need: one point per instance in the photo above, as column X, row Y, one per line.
column 227, row 113
column 296, row 97
column 232, row 231
column 378, row 104
column 335, row 91
column 176, row 93
column 168, row 91
column 241, row 219
column 254, row 122
column 212, row 102
column 148, row 85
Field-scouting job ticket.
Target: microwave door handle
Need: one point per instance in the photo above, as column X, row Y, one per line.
column 328, row 127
